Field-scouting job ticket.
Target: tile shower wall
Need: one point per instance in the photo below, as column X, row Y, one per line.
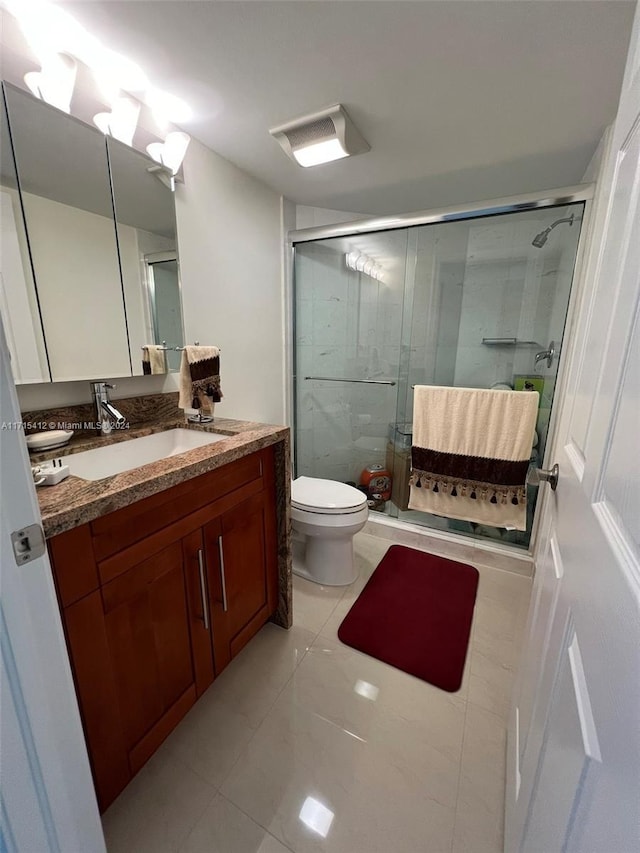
column 512, row 289
column 348, row 325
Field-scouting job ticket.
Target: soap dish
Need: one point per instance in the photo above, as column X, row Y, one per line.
column 49, row 439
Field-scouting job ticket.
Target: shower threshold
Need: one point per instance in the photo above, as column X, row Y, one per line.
column 498, row 555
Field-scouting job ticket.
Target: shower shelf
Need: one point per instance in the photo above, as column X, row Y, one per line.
column 508, row 342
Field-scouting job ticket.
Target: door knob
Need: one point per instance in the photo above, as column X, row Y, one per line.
column 550, row 476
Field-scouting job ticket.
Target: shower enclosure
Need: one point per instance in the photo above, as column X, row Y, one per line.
column 479, row 300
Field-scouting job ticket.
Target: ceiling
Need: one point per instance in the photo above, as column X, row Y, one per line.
column 460, row 100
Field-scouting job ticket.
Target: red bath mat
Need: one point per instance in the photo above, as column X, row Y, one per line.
column 415, row 613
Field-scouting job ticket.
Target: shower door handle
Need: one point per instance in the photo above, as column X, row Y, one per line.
column 550, row 476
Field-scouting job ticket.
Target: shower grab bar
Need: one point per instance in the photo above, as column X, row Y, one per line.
column 508, row 342
column 360, row 381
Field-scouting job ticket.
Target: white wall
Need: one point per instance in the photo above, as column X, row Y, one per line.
column 134, row 244
column 229, row 237
column 313, row 217
column 17, row 295
column 76, row 267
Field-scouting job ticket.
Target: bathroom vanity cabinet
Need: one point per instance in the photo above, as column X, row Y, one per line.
column 157, row 598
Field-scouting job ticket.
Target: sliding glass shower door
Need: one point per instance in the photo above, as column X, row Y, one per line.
column 347, row 354
column 478, row 302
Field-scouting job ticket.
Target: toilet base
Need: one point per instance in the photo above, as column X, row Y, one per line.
column 328, row 562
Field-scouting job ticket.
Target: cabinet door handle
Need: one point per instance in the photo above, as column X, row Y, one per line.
column 222, row 577
column 203, row 591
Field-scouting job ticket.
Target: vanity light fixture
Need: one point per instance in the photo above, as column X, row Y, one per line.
column 55, row 81
column 170, row 153
column 320, row 137
column 122, row 121
column 58, row 40
column 364, row 264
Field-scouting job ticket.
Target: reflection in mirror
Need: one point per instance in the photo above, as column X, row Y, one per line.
column 18, row 297
column 64, row 181
column 164, row 298
column 145, row 221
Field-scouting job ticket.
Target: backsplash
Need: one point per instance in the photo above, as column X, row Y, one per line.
column 136, row 411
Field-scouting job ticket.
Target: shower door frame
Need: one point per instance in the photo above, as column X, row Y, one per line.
column 580, row 193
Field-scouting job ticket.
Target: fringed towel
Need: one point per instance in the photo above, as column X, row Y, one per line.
column 200, row 378
column 154, row 359
column 470, row 453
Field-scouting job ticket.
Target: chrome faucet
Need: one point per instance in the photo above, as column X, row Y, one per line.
column 105, row 412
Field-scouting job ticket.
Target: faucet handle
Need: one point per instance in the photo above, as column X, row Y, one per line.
column 109, row 385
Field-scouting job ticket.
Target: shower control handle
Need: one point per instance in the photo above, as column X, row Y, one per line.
column 546, row 355
column 550, row 476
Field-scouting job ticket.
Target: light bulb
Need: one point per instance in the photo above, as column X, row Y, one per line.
column 320, row 152
column 155, row 150
column 32, row 79
column 103, row 122
column 352, row 258
column 175, row 147
column 124, row 119
column 54, row 83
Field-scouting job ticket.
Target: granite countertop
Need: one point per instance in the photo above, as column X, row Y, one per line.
column 75, row 501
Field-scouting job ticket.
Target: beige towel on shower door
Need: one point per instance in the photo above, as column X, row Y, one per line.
column 470, row 453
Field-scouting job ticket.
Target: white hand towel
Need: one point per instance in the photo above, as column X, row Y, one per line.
column 470, row 453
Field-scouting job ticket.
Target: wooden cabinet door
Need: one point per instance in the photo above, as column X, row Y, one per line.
column 236, row 546
column 148, row 631
column 195, row 574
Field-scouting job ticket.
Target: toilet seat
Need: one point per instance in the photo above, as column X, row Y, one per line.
column 326, row 497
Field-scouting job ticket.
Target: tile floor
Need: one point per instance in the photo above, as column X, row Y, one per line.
column 304, row 744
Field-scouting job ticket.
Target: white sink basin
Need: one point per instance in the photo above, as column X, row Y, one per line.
column 116, row 458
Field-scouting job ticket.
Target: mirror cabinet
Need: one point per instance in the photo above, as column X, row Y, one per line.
column 89, row 271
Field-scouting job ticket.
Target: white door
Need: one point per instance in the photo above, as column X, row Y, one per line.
column 573, row 776
column 47, row 801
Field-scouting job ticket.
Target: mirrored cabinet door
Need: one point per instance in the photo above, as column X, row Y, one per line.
column 18, row 297
column 66, row 195
column 145, row 220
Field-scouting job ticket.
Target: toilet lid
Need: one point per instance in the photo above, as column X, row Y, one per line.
column 328, row 496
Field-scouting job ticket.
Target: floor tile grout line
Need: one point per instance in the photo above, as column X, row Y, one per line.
column 257, row 822
column 183, row 840
column 263, row 720
column 464, row 735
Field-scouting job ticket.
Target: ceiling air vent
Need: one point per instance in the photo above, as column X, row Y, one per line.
column 320, row 137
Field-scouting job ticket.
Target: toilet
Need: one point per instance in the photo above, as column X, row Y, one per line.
column 326, row 515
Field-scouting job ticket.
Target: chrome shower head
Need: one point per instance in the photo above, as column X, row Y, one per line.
column 540, row 239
